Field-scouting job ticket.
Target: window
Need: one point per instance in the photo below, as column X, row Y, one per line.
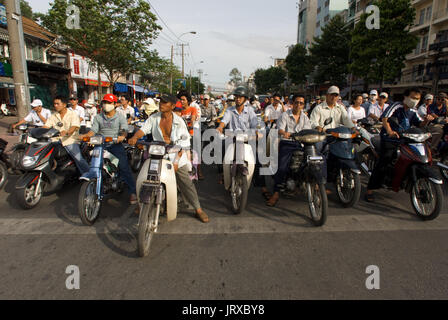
column 327, row 3
column 428, row 13
column 318, row 10
column 327, row 17
column 38, row 53
column 422, row 17
column 318, row 24
column 29, row 52
column 417, row 50
column 424, row 43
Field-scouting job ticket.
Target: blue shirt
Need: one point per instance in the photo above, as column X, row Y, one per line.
column 244, row 121
column 406, row 119
column 433, row 109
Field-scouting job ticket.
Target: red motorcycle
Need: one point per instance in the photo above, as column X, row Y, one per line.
column 414, row 172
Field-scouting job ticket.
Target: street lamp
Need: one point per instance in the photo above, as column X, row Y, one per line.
column 183, row 55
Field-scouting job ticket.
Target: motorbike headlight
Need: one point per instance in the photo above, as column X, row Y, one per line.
column 417, row 137
column 28, row 161
column 22, row 127
column 96, row 140
column 156, row 150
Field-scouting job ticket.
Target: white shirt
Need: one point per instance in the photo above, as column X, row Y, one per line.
column 197, row 123
column 90, row 112
column 356, row 115
column 377, row 111
column 179, row 129
column 322, row 112
column 273, row 114
column 81, row 113
column 34, row 118
column 422, row 110
column 125, row 112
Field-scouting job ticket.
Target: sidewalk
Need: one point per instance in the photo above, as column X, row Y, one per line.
column 4, row 125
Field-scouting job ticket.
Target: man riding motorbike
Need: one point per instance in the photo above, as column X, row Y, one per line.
column 406, row 114
column 110, row 123
column 68, row 123
column 38, row 115
column 167, row 127
column 292, row 121
column 438, row 110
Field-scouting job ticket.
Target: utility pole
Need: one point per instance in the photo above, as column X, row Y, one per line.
column 190, row 82
column 200, row 72
column 18, row 58
column 171, row 73
column 183, row 60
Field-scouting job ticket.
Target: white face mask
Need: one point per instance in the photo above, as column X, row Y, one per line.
column 411, row 103
column 108, row 108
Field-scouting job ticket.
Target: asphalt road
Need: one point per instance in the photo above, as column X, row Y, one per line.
column 265, row 253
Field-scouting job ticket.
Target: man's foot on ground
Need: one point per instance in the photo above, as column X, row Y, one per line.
column 133, row 199
column 202, row 216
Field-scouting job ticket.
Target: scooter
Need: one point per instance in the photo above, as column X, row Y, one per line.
column 367, row 144
column 342, row 167
column 237, row 175
column 19, row 149
column 3, row 163
column 103, row 179
column 413, row 172
column 306, row 168
column 156, row 192
column 135, row 153
column 47, row 167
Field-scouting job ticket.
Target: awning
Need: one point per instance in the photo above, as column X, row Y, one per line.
column 121, row 87
column 139, row 88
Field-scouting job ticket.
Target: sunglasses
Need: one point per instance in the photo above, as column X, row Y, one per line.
column 300, row 103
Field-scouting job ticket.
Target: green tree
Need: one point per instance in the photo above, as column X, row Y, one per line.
column 25, row 8
column 379, row 55
column 235, row 77
column 298, row 64
column 114, row 34
column 331, row 53
column 194, row 85
column 269, row 80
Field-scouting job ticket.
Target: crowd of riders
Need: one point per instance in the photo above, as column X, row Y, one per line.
column 167, row 116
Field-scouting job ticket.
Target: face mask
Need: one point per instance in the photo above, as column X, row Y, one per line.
column 108, row 108
column 411, row 103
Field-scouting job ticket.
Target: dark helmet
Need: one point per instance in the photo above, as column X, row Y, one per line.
column 241, row 91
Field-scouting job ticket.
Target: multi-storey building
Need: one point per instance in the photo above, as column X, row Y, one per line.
column 327, row 9
column 307, row 22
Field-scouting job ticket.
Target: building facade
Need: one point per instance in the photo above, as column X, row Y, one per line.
column 307, row 22
column 327, row 9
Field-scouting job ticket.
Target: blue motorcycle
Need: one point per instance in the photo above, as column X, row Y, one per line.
column 343, row 169
column 103, row 179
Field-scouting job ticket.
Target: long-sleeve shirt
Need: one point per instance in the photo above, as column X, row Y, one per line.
column 322, row 112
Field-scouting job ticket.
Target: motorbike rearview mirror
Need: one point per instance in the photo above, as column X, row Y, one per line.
column 328, row 121
column 184, row 137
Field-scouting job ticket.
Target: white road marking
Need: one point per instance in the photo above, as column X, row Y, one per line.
column 187, row 225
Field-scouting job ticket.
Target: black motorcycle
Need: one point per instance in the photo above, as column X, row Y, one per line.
column 306, row 169
column 19, row 149
column 47, row 167
column 3, row 163
column 343, row 169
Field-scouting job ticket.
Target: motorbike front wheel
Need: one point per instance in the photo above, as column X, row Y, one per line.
column 317, row 202
column 28, row 197
column 89, row 205
column 3, row 174
column 238, row 193
column 348, row 188
column 426, row 199
column 147, row 226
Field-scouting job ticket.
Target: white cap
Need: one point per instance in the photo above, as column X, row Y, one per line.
column 37, row 103
column 206, row 97
column 231, row 97
column 429, row 97
column 374, row 92
column 384, row 94
column 365, row 95
column 89, row 103
column 333, row 89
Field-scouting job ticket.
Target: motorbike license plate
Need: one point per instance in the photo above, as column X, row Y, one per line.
column 154, row 166
column 317, row 158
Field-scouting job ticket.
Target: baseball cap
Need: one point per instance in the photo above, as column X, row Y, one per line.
column 37, row 103
column 73, row 96
column 168, row 98
column 442, row 95
column 317, row 98
column 90, row 103
column 206, row 97
column 333, row 89
column 178, row 106
column 429, row 97
column 384, row 94
column 374, row 92
column 365, row 95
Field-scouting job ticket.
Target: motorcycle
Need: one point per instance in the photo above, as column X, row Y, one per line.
column 47, row 167
column 156, row 191
column 366, row 145
column 238, row 176
column 3, row 163
column 342, row 167
column 104, row 179
column 135, row 153
column 412, row 171
column 306, row 168
column 442, row 148
column 19, row 149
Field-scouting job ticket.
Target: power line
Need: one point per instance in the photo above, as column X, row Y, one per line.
column 163, row 20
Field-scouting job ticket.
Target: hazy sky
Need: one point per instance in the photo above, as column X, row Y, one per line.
column 232, row 33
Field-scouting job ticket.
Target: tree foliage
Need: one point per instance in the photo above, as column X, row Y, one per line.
column 331, row 53
column 114, row 34
column 235, row 77
column 298, row 64
column 269, row 80
column 379, row 55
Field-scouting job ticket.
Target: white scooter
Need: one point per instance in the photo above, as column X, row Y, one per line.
column 156, row 191
column 237, row 175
